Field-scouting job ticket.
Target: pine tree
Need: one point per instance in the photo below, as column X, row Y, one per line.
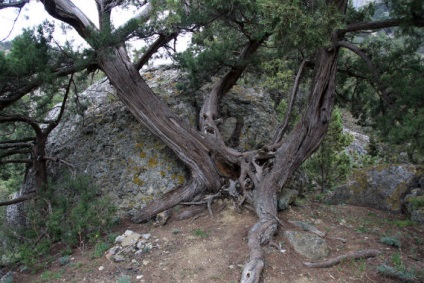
column 330, row 164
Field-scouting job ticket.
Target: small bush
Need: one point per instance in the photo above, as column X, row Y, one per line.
column 70, row 213
column 402, row 274
column 391, row 241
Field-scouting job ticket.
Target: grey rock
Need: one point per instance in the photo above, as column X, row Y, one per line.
column 382, row 187
column 146, row 236
column 130, row 240
column 308, row 245
column 228, row 127
column 286, row 198
column 418, row 216
column 119, row 239
column 114, row 250
column 118, row 258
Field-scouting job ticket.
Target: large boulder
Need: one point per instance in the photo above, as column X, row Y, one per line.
column 129, row 163
column 382, row 187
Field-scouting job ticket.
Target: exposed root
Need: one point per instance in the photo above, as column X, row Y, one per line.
column 208, row 200
column 308, row 227
column 252, row 271
column 261, row 233
column 350, row 255
column 167, row 201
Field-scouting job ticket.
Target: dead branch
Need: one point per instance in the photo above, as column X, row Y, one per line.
column 282, row 128
column 16, row 145
column 350, row 255
column 17, row 200
column 70, row 165
column 16, row 18
column 15, row 4
column 9, row 161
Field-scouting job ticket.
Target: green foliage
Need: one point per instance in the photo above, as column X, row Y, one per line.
column 397, row 70
column 401, row 273
column 100, row 248
column 124, row 279
column 200, row 233
column 330, row 165
column 69, row 212
column 391, row 241
column 299, row 25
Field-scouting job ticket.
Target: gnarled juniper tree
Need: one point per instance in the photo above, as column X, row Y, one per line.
column 229, row 39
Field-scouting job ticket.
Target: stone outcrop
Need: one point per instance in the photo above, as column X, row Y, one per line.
column 382, row 187
column 125, row 160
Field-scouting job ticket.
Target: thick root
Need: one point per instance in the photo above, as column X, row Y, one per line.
column 261, row 233
column 252, row 271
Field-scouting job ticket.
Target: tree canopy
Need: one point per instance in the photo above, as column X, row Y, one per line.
column 309, row 54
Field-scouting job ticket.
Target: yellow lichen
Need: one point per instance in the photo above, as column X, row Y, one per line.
column 181, row 179
column 152, row 162
column 138, row 181
column 142, row 154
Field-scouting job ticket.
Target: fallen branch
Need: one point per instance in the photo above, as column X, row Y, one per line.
column 337, row 260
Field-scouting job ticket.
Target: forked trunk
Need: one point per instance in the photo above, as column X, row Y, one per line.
column 302, row 141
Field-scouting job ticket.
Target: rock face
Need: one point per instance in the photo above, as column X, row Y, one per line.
column 382, row 187
column 125, row 160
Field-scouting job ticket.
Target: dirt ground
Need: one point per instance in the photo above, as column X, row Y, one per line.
column 202, row 249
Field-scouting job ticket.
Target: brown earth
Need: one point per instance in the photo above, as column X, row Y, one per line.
column 202, row 249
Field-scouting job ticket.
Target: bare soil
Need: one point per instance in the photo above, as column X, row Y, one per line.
column 202, row 249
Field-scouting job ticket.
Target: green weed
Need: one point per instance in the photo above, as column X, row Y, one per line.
column 200, row 233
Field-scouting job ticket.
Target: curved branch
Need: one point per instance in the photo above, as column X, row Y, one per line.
column 66, row 11
column 357, row 27
column 376, row 76
column 54, row 123
column 13, row 26
column 351, row 255
column 282, row 128
column 17, row 94
column 23, row 119
column 160, row 41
